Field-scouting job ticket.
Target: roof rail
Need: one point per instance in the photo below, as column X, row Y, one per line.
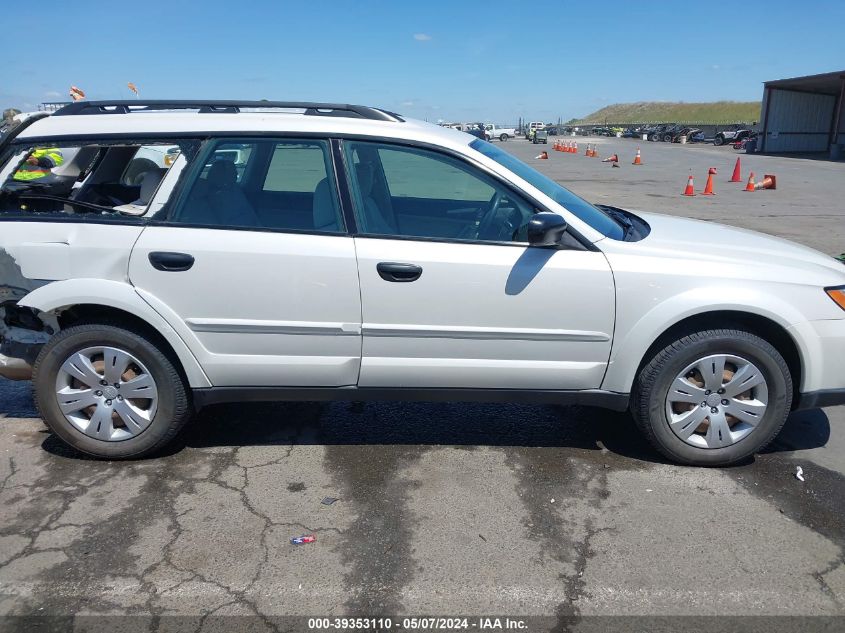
column 227, row 107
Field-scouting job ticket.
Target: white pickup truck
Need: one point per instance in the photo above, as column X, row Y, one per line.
column 491, row 131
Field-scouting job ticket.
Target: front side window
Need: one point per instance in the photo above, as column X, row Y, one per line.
column 281, row 184
column 412, row 192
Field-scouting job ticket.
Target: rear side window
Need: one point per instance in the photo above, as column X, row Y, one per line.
column 281, row 184
column 102, row 179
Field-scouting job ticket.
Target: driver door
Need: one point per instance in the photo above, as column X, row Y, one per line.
column 452, row 295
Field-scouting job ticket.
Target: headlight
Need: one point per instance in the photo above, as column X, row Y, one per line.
column 837, row 294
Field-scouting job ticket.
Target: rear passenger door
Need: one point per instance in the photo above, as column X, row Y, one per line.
column 252, row 265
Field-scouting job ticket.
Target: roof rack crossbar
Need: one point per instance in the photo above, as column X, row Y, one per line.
column 226, row 107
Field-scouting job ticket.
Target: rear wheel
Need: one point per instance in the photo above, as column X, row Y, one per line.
column 713, row 398
column 719, row 140
column 109, row 392
column 503, row 138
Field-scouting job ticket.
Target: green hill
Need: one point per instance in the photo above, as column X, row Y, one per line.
column 666, row 112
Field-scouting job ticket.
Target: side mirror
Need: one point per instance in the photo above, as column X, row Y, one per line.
column 546, row 229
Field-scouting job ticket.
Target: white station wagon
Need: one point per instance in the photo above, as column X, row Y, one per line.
column 304, row 251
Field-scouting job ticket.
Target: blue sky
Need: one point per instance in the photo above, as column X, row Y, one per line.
column 457, row 61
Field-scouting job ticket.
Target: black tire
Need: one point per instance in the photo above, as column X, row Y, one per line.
column 667, row 138
column 174, row 403
column 650, row 390
column 503, row 138
column 719, row 140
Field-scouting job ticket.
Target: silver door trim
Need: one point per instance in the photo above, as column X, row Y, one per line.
column 484, row 334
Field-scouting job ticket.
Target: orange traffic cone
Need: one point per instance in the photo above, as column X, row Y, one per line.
column 611, row 159
column 708, row 187
column 638, row 159
column 595, row 152
column 768, row 182
column 750, row 185
column 575, row 147
column 737, row 176
column 689, row 191
column 587, row 151
column 542, row 156
column 568, row 147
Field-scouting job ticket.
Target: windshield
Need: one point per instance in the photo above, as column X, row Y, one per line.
column 582, row 209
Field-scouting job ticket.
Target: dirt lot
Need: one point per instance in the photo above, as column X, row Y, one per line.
column 446, row 509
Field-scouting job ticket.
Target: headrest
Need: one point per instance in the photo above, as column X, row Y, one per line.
column 222, row 173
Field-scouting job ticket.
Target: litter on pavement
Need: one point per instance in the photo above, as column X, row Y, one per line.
column 799, row 473
column 305, row 538
column 327, row 501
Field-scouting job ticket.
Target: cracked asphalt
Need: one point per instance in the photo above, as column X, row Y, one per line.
column 443, row 509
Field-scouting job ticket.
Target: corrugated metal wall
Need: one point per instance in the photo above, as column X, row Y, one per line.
column 798, row 121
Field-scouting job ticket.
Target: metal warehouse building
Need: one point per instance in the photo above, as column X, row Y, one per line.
column 804, row 114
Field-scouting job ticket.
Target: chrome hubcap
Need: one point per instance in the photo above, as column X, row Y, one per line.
column 106, row 393
column 716, row 401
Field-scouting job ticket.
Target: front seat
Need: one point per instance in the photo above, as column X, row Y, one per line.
column 223, row 201
column 325, row 212
column 375, row 221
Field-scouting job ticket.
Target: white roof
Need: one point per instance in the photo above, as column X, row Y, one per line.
column 192, row 123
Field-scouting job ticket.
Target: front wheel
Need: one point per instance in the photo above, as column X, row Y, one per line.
column 713, row 398
column 109, row 392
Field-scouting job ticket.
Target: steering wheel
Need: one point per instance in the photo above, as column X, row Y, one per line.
column 488, row 215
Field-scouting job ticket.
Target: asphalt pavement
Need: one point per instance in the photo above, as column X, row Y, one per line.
column 445, row 509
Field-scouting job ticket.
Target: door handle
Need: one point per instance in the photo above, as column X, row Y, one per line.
column 393, row 271
column 171, row 262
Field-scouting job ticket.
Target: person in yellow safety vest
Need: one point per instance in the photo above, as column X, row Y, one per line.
column 39, row 163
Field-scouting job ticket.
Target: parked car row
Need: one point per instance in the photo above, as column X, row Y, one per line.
column 486, row 131
column 671, row 133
